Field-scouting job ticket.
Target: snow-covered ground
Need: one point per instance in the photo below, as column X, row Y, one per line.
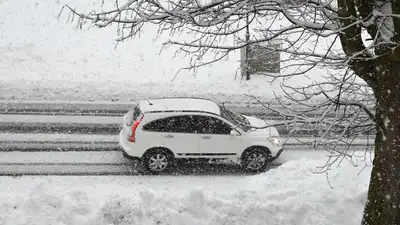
column 292, row 194
column 46, row 58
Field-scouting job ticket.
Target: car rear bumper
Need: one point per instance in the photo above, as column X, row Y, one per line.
column 125, row 144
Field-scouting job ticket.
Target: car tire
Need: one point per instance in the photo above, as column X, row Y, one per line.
column 256, row 160
column 158, row 161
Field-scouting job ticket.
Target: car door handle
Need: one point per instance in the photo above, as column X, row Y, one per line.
column 206, row 137
column 169, row 136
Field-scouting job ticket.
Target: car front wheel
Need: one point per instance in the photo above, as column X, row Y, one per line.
column 256, row 160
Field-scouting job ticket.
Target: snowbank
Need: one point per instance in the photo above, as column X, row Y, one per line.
column 292, row 194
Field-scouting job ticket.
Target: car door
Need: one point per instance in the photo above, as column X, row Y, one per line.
column 175, row 133
column 216, row 138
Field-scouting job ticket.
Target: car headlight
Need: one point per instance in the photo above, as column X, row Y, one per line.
column 274, row 140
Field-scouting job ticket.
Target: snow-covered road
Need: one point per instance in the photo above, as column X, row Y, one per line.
column 80, row 144
column 113, row 163
column 98, row 108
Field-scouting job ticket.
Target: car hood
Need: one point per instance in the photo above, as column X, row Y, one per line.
column 265, row 132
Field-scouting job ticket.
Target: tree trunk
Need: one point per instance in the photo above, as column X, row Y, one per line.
column 383, row 204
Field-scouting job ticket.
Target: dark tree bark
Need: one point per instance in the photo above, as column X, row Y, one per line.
column 383, row 205
column 382, row 74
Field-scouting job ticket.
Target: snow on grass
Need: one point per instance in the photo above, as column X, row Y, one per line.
column 292, row 194
column 46, row 58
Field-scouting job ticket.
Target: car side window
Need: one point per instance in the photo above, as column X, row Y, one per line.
column 184, row 124
column 173, row 124
column 160, row 125
column 211, row 125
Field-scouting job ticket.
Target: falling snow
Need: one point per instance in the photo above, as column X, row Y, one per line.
column 387, row 122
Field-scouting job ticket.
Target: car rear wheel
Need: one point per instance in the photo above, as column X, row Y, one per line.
column 158, row 161
column 256, row 160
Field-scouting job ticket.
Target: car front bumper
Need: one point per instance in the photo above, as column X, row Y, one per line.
column 277, row 154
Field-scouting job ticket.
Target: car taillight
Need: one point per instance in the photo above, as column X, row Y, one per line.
column 131, row 137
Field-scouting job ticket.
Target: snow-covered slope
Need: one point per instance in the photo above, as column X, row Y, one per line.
column 289, row 195
column 44, row 57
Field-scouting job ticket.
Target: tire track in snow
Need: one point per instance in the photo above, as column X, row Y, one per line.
column 106, row 163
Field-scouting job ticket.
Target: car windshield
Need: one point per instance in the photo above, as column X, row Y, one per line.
column 235, row 118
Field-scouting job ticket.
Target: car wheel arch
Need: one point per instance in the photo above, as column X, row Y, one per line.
column 167, row 150
column 255, row 147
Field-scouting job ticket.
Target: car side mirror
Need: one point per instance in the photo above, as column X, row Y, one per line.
column 234, row 133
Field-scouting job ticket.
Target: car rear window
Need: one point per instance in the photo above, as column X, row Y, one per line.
column 136, row 112
column 132, row 115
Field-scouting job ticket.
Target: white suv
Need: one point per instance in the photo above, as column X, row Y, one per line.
column 160, row 131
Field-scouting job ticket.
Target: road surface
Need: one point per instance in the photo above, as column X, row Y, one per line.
column 81, row 139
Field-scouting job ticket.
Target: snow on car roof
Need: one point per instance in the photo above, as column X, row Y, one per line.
column 179, row 104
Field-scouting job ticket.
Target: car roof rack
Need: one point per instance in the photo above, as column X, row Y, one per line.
column 184, row 111
column 178, row 97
